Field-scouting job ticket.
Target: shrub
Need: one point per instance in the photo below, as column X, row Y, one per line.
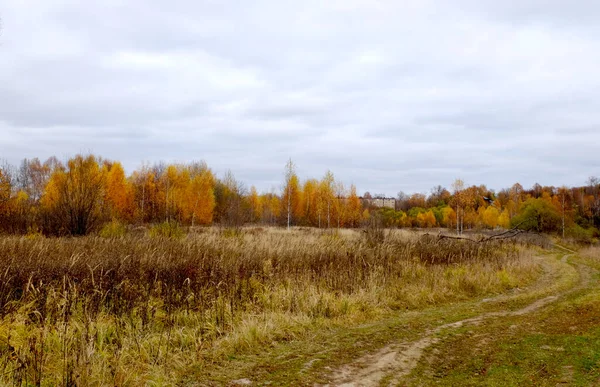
column 232, row 232
column 167, row 230
column 537, row 215
column 114, row 229
column 580, row 234
column 374, row 231
column 33, row 233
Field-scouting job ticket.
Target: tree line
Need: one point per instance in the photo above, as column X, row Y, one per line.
column 568, row 211
column 81, row 195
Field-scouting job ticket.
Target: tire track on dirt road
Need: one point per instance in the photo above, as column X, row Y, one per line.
column 395, row 361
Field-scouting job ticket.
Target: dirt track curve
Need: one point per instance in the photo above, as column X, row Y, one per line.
column 395, row 361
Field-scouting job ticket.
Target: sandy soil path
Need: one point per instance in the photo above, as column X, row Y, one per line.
column 396, row 360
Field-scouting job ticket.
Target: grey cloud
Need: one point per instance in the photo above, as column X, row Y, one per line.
column 389, row 95
column 555, row 12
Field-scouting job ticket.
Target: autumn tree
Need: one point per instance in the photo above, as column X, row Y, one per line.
column 159, row 206
column 6, row 198
column 310, row 198
column 563, row 201
column 515, row 199
column 199, row 197
column 426, row 219
column 119, row 193
column 256, row 205
column 354, row 208
column 73, row 199
column 21, row 189
column 271, row 205
column 537, row 215
column 491, row 216
column 146, row 194
column 504, row 219
column 33, row 176
column 439, row 197
column 340, row 206
column 417, row 200
column 448, row 217
column 231, row 210
column 291, row 192
column 189, row 193
column 5, row 185
column 172, row 185
column 326, row 197
column 593, row 202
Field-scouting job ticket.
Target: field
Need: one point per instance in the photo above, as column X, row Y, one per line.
column 269, row 306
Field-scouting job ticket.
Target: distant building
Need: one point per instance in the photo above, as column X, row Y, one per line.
column 381, row 202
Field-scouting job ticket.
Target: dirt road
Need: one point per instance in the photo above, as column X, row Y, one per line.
column 395, row 361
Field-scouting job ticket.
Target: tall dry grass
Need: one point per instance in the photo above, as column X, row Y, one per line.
column 592, row 255
column 132, row 309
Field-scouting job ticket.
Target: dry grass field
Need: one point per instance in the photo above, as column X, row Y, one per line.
column 144, row 309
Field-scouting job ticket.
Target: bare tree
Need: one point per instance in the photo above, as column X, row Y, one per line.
column 439, row 195
column 458, row 187
column 563, row 192
column 232, row 210
column 402, row 201
column 6, row 182
column 594, row 189
column 290, row 171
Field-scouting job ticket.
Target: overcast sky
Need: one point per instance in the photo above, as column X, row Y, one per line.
column 388, row 95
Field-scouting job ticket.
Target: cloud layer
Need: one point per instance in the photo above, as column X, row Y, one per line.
column 389, row 95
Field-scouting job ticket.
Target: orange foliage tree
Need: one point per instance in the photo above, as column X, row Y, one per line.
column 354, row 208
column 256, row 205
column 200, row 196
column 119, row 193
column 73, row 199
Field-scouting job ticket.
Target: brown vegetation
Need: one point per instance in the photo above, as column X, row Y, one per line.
column 89, row 310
